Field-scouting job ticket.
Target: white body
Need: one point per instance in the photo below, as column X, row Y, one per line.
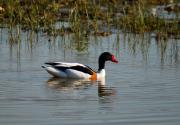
column 71, row 73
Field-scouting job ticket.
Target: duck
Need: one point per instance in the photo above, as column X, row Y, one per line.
column 78, row 70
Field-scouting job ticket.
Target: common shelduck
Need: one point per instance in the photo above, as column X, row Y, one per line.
column 77, row 70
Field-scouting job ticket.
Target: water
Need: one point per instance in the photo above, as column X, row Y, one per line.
column 144, row 88
column 163, row 14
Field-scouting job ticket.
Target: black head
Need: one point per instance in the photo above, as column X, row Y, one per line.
column 106, row 56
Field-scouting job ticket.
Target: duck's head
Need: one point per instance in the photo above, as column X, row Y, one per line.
column 106, row 56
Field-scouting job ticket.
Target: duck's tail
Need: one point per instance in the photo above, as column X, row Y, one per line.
column 43, row 67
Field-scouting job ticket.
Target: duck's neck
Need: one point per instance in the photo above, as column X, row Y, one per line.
column 101, row 65
column 101, row 73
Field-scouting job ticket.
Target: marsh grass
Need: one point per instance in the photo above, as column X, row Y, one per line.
column 85, row 17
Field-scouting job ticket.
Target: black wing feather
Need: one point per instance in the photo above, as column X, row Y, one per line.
column 83, row 69
column 52, row 63
column 78, row 68
column 62, row 68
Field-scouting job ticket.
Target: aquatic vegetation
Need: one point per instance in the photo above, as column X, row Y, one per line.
column 85, row 17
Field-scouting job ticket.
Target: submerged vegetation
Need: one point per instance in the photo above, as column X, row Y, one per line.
column 83, row 18
column 97, row 17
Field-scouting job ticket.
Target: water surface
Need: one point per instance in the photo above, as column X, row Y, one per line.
column 144, row 88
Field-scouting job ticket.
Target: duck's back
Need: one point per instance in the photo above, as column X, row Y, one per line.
column 69, row 70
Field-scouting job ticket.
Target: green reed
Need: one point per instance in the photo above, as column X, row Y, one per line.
column 86, row 17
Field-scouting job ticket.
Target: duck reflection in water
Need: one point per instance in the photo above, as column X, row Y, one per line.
column 70, row 84
column 103, row 90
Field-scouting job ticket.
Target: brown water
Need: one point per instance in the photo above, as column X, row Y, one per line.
column 144, row 88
